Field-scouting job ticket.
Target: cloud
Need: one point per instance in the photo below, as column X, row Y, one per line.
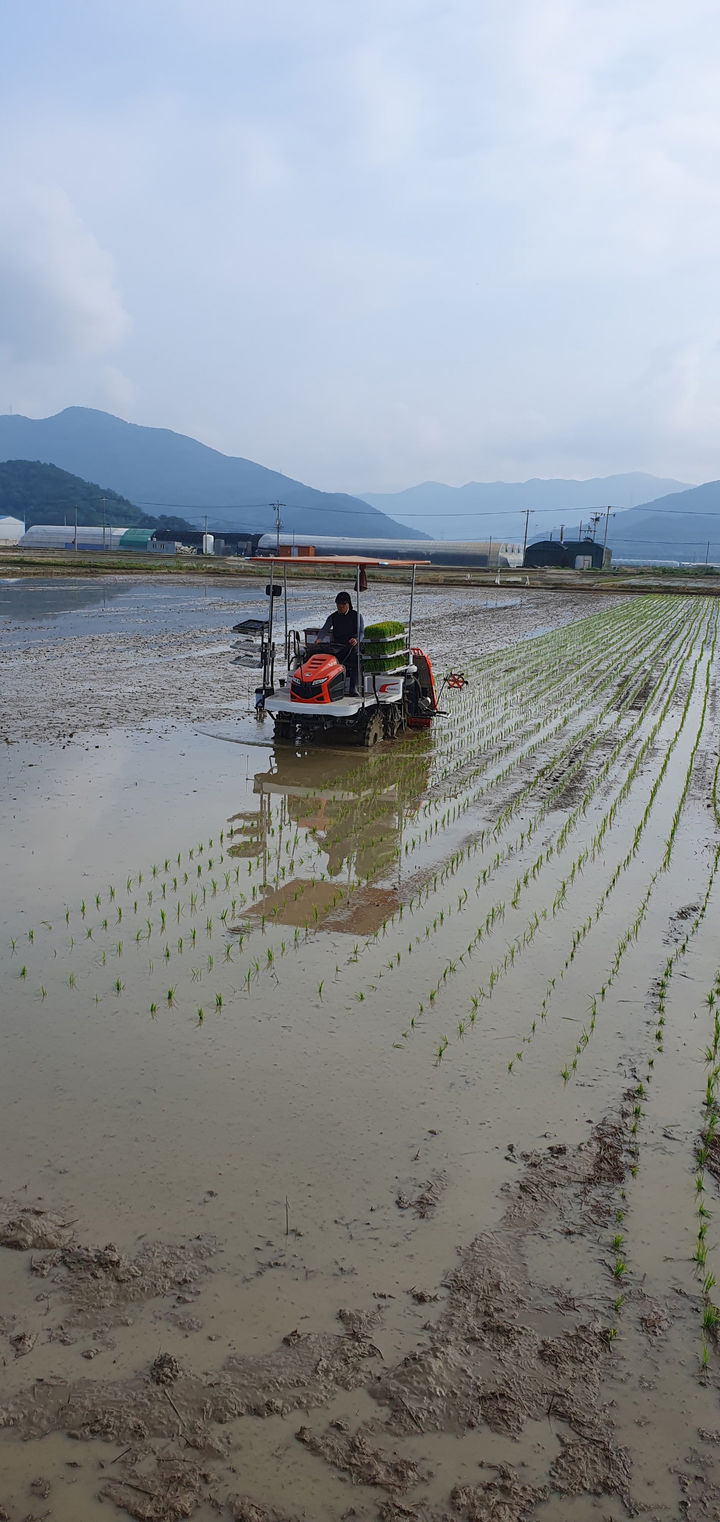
column 58, row 298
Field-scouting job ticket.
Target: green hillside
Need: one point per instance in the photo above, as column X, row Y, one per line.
column 44, row 494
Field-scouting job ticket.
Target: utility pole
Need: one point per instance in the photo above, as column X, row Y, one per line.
column 103, row 505
column 528, row 511
column 595, row 519
column 607, row 520
column 278, row 524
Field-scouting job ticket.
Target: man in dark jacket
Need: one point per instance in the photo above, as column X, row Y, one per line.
column 345, row 628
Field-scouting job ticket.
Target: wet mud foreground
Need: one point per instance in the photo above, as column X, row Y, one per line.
column 504, row 1351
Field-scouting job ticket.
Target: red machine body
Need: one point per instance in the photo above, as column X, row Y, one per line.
column 320, row 679
column 423, row 706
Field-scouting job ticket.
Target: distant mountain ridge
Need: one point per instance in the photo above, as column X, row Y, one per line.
column 481, row 508
column 682, row 526
column 41, row 493
column 170, row 473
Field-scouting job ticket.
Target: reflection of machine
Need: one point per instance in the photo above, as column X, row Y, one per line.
column 313, row 698
column 333, row 843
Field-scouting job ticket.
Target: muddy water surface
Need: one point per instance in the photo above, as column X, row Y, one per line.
column 351, row 1104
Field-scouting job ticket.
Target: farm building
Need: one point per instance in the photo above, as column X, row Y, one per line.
column 568, row 554
column 490, row 552
column 66, row 536
column 11, row 530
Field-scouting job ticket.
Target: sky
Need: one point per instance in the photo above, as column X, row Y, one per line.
column 370, row 245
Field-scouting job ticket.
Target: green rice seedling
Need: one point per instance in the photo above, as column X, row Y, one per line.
column 119, row 985
column 98, row 900
column 619, row 1268
column 88, row 933
column 104, row 925
column 171, row 995
column 23, row 972
column 193, row 934
column 210, row 962
column 228, row 953
column 112, row 892
column 218, row 1001
column 71, row 980
column 166, row 953
column 67, row 916
column 43, row 991
column 704, row 1356
column 617, row 1242
column 200, row 1017
column 708, row 1284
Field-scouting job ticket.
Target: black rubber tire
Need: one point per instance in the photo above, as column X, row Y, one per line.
column 284, row 730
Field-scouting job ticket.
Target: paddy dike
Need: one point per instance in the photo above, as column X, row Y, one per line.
column 353, row 1106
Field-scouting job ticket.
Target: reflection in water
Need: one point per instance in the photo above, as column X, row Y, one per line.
column 28, row 598
column 327, row 835
column 147, row 605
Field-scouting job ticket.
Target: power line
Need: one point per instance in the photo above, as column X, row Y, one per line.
column 499, row 512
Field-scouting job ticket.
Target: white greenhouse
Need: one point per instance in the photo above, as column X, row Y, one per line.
column 11, row 530
column 65, row 536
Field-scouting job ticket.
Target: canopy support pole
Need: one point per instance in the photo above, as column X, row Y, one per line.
column 361, row 684
column 412, row 599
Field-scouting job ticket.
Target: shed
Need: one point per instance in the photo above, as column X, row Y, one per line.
column 567, row 554
column 135, row 539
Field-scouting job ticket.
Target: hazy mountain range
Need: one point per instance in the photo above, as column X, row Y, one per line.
column 682, row 526
column 483, row 508
column 168, row 473
column 161, row 472
column 653, row 518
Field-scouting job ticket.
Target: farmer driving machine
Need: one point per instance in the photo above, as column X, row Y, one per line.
column 384, row 687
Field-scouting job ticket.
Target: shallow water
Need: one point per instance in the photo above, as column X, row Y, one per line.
column 342, row 1117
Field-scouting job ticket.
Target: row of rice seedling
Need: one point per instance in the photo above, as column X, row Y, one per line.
column 532, row 871
column 633, row 929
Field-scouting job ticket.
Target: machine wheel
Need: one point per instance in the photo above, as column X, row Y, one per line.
column 284, row 730
column 373, row 731
column 392, row 718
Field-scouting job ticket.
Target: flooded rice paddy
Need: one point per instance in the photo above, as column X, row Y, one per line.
column 359, row 1112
